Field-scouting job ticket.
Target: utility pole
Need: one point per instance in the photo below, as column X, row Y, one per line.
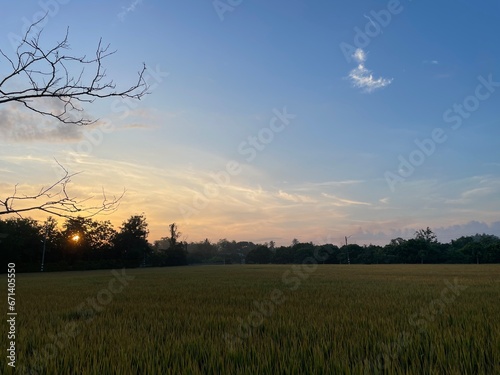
column 44, row 242
column 347, row 249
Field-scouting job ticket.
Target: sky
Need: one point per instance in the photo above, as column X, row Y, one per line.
column 275, row 120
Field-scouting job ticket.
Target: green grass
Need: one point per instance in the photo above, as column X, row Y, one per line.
column 338, row 320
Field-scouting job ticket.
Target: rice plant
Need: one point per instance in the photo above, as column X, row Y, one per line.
column 332, row 319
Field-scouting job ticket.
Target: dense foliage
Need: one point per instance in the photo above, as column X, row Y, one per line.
column 82, row 243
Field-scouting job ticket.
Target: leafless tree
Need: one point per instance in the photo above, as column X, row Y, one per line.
column 39, row 76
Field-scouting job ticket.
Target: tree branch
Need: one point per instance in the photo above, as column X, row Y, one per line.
column 46, row 75
column 56, row 201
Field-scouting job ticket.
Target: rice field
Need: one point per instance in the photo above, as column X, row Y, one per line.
column 260, row 319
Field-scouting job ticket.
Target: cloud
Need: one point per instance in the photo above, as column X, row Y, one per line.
column 137, row 125
column 382, row 234
column 297, row 198
column 476, row 192
column 470, row 195
column 448, row 233
column 384, row 200
column 130, row 8
column 362, row 78
column 316, row 185
column 359, row 56
column 430, row 62
column 19, row 125
column 336, row 201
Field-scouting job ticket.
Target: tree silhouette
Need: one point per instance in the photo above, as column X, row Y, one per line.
column 54, row 199
column 174, row 235
column 131, row 244
column 45, row 74
column 53, row 83
column 259, row 255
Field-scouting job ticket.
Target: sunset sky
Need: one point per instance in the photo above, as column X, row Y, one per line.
column 274, row 120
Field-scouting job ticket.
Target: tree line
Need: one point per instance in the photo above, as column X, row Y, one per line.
column 84, row 243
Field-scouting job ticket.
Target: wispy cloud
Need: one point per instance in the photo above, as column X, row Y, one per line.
column 19, row 125
column 130, row 8
column 470, row 195
column 430, row 62
column 316, row 185
column 362, row 78
column 137, row 125
column 297, row 198
column 336, row 201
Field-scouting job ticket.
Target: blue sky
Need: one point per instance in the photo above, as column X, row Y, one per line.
column 319, row 122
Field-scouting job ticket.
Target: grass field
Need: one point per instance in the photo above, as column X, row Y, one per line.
column 252, row 319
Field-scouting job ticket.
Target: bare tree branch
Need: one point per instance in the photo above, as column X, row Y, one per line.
column 56, row 201
column 47, row 76
column 38, row 76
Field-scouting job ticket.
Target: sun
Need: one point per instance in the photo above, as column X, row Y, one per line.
column 76, row 238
